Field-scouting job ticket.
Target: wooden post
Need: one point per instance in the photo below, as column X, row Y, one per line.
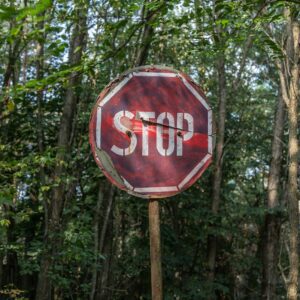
column 155, row 251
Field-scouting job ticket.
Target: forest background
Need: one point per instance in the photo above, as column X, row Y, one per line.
column 66, row 233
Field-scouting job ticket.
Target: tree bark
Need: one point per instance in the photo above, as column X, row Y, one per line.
column 11, row 65
column 217, row 177
column 147, row 35
column 40, row 113
column 96, row 239
column 77, row 44
column 271, row 231
column 10, row 70
column 219, row 42
column 217, row 173
column 12, row 266
column 39, row 76
column 293, row 149
column 104, row 222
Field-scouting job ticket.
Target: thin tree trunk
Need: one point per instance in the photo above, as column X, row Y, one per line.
column 40, row 114
column 271, row 231
column 13, row 54
column 77, row 44
column 96, row 242
column 10, row 70
column 220, row 136
column 217, row 178
column 293, row 55
column 12, row 265
column 11, row 65
column 40, row 93
column 217, row 175
column 289, row 81
column 105, row 242
column 147, row 35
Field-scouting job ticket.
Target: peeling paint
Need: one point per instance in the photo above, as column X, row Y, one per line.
column 108, row 165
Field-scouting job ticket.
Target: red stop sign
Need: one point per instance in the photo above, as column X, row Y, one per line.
column 151, row 132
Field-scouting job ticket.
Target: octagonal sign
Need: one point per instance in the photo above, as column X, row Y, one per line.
column 151, row 132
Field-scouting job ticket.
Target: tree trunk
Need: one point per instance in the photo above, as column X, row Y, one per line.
column 147, row 35
column 104, row 242
column 271, row 231
column 77, row 44
column 217, row 178
column 10, row 70
column 293, row 55
column 289, row 82
column 39, row 76
column 217, row 175
column 11, row 65
column 96, row 244
column 12, row 266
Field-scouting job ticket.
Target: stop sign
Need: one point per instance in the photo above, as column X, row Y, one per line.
column 151, row 132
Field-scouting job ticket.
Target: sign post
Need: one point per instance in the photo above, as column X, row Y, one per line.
column 155, row 250
column 151, row 135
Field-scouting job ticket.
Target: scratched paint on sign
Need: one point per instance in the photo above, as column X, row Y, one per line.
column 154, row 126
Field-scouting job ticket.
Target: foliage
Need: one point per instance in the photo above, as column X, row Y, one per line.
column 184, row 38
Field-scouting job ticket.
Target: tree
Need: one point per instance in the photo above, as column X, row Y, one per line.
column 271, row 229
column 66, row 233
column 289, row 79
column 77, row 44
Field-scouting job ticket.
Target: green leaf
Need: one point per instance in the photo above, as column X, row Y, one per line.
column 10, row 105
column 4, row 222
column 38, row 8
column 7, row 12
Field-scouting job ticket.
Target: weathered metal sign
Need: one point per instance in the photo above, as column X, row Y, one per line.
column 151, row 132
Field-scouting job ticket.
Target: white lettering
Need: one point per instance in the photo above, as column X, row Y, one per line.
column 122, row 128
column 159, row 137
column 183, row 135
column 189, row 133
column 145, row 116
